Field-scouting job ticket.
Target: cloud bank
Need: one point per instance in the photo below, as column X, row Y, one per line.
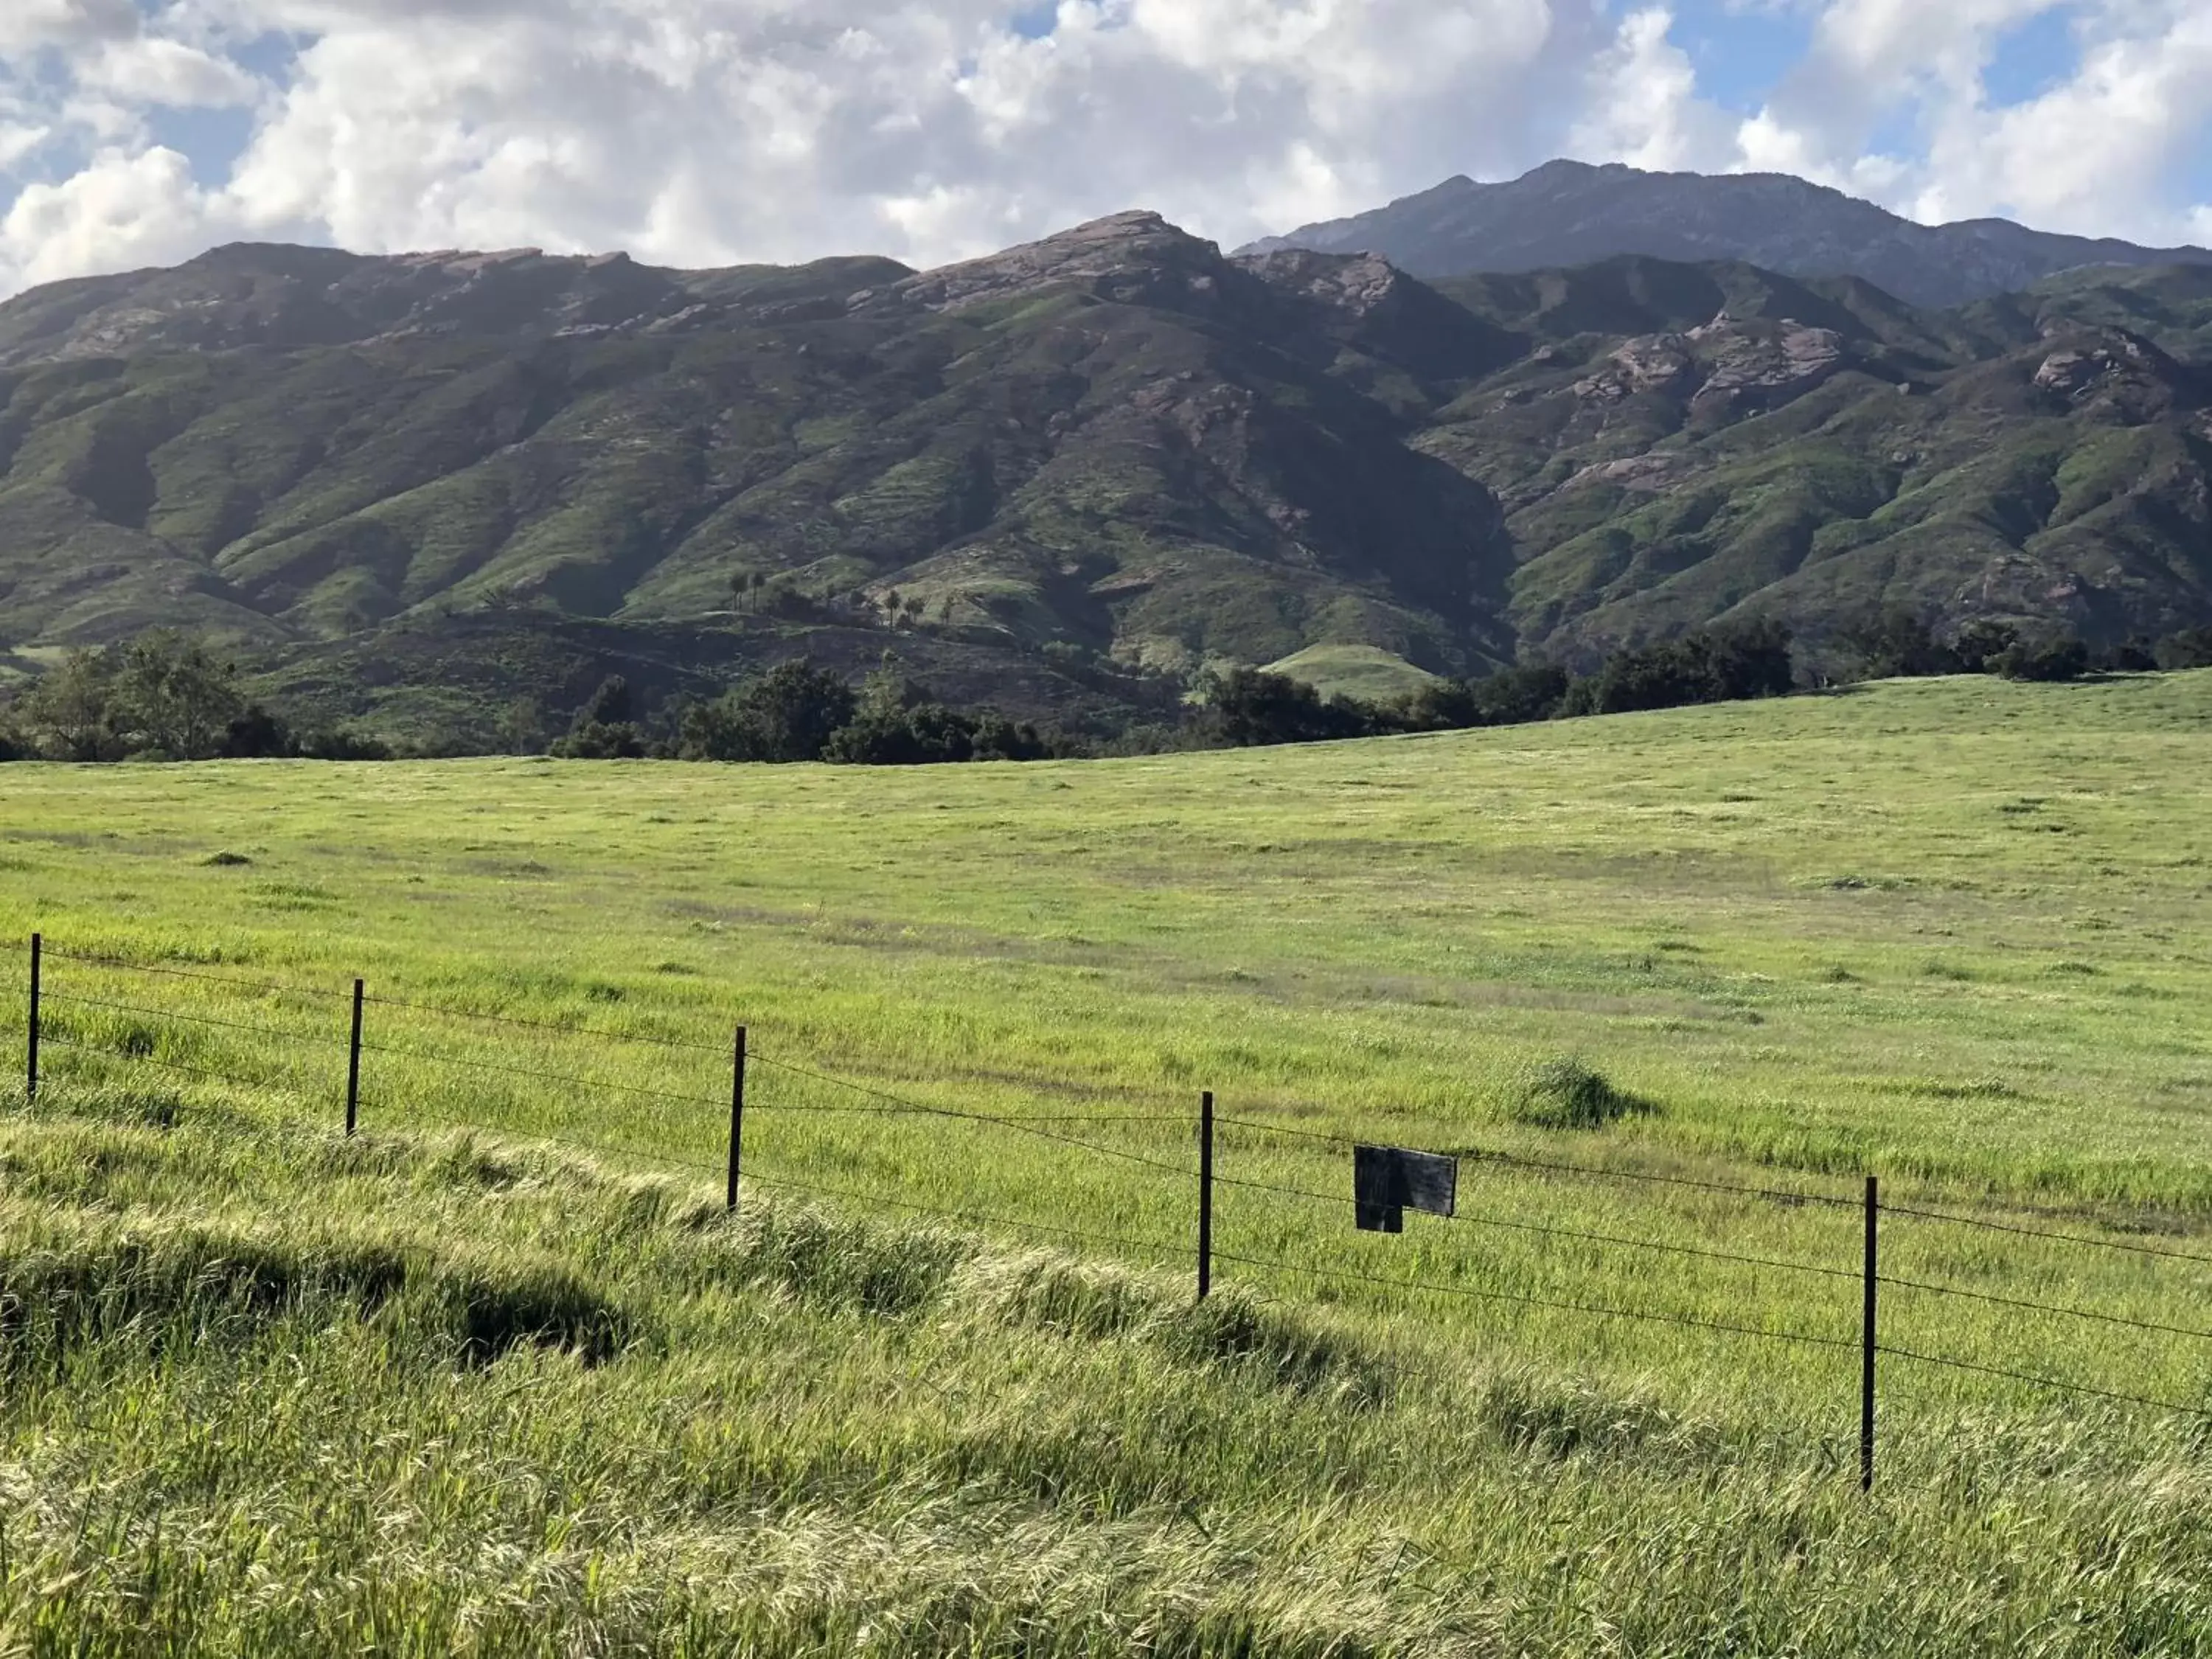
column 703, row 132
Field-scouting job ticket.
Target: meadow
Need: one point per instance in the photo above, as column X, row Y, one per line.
column 499, row 1375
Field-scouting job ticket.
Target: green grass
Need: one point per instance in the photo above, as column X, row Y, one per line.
column 443, row 1388
column 1364, row 671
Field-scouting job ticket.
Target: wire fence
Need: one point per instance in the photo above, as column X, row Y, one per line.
column 101, row 1028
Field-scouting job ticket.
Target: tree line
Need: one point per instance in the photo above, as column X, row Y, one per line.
column 797, row 711
column 162, row 696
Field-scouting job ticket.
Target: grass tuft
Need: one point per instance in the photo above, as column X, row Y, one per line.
column 1566, row 1094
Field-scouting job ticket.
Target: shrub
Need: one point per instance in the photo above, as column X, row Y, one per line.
column 336, row 744
column 1565, row 1094
column 1715, row 665
column 1979, row 644
column 789, row 713
column 1895, row 644
column 2047, row 660
column 257, row 734
column 1251, row 708
column 2190, row 648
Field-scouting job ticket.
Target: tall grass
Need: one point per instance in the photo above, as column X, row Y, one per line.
column 521, row 1386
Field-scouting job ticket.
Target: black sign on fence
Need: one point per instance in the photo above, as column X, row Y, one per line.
column 1388, row 1181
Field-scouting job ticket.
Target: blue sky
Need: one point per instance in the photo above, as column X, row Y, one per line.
column 707, row 131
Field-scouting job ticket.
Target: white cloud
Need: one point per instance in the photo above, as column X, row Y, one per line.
column 2091, row 154
column 700, row 130
column 707, row 131
column 2073, row 158
column 147, row 70
column 26, row 25
column 1644, row 103
column 120, row 210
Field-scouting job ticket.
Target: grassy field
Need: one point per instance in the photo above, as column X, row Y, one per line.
column 448, row 1387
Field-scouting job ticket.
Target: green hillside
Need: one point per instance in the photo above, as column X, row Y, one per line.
column 1113, row 452
column 499, row 1375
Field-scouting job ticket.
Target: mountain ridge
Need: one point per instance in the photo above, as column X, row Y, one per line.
column 1111, row 456
column 1571, row 213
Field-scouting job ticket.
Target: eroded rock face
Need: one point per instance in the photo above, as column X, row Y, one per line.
column 1136, row 259
column 1657, row 362
column 2111, row 372
column 1724, row 363
column 1358, row 282
column 1765, row 365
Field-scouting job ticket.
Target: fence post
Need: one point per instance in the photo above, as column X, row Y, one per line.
column 1866, row 1342
column 736, row 1114
column 1205, row 1193
column 31, row 1060
column 353, row 1064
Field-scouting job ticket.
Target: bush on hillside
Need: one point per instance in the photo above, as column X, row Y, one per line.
column 1565, row 1094
column 2190, row 648
column 789, row 713
column 1513, row 696
column 1979, row 644
column 1896, row 644
column 1716, row 666
column 1249, row 708
column 2054, row 660
column 338, row 744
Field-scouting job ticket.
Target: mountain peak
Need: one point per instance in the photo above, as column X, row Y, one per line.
column 1568, row 213
column 1136, row 256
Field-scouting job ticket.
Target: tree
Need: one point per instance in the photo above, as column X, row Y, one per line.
column 787, row 714
column 1513, row 696
column 1250, row 707
column 606, row 727
column 2190, row 648
column 1980, row 643
column 1896, row 645
column 2050, row 660
column 173, row 698
column 68, row 712
column 257, row 734
column 1715, row 665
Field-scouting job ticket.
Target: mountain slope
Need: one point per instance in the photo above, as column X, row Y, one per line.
column 1063, row 476
column 1115, row 440
column 1568, row 213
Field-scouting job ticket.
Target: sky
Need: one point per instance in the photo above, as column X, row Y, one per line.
column 712, row 132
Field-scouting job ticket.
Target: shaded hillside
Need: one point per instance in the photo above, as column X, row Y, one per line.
column 1569, row 213
column 1115, row 441
column 440, row 483
column 1816, row 451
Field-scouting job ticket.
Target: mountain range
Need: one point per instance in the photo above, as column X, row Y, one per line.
column 1570, row 213
column 423, row 490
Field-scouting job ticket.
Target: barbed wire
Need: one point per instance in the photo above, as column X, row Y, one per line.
column 1019, row 1125
column 972, row 1217
column 493, row 1066
column 723, row 1050
column 1776, row 1194
column 1431, row 1287
column 2044, row 1233
column 776, row 1107
column 2038, row 1307
column 2042, row 1382
column 167, row 1014
column 121, row 1058
column 277, row 987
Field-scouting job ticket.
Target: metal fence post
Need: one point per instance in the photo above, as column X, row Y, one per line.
column 353, row 1064
column 1867, row 1348
column 30, row 1059
column 1205, row 1193
column 736, row 1114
